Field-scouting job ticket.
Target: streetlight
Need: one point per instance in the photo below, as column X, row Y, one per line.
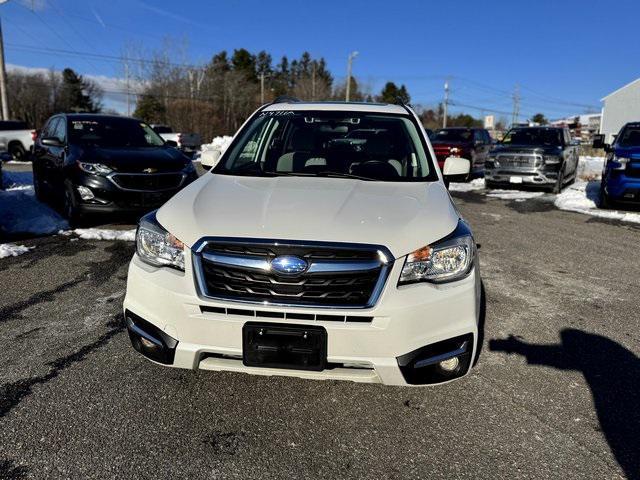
column 352, row 55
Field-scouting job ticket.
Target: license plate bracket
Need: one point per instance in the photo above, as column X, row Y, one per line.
column 275, row 345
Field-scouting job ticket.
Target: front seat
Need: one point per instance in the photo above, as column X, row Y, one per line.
column 302, row 145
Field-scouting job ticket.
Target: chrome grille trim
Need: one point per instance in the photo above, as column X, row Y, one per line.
column 520, row 161
column 112, row 178
column 385, row 264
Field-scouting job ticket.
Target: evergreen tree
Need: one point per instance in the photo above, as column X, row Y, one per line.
column 77, row 94
column 243, row 62
column 391, row 94
column 150, row 109
column 540, row 119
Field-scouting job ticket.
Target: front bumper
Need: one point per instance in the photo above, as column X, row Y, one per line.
column 404, row 320
column 622, row 188
column 109, row 198
column 537, row 176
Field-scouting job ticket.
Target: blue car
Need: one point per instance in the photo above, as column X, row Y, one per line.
column 621, row 175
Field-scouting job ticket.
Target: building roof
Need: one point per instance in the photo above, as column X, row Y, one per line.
column 337, row 107
column 621, row 88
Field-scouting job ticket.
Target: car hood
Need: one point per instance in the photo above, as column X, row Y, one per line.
column 400, row 216
column 527, row 149
column 132, row 160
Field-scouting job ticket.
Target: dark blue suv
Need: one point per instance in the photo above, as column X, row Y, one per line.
column 621, row 174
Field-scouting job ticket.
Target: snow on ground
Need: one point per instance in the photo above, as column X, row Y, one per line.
column 218, row 143
column 21, row 212
column 13, row 250
column 106, row 234
column 517, row 195
column 475, row 184
column 582, row 197
column 590, row 168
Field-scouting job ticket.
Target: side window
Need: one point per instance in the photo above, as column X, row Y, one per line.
column 47, row 130
column 60, row 130
column 487, row 137
column 478, row 137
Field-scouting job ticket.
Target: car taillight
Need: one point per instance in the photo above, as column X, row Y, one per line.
column 179, row 139
column 34, row 135
column 455, row 151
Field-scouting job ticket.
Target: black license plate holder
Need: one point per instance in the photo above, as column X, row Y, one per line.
column 275, row 345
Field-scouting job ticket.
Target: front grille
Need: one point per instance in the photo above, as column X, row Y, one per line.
column 525, row 162
column 339, row 275
column 147, row 182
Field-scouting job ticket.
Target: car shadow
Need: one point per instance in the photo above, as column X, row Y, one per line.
column 593, row 191
column 613, row 374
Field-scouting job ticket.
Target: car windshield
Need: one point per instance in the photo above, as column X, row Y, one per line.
column 629, row 137
column 453, row 135
column 533, row 136
column 365, row 146
column 112, row 132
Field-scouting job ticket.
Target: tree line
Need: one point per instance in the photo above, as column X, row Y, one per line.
column 211, row 99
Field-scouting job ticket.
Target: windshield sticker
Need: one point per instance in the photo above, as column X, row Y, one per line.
column 276, row 114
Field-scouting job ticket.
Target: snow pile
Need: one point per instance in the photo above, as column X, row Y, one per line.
column 517, row 195
column 590, row 168
column 582, row 197
column 21, row 212
column 13, row 250
column 475, row 184
column 106, row 234
column 218, row 143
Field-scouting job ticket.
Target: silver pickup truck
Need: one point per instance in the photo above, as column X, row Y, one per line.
column 16, row 138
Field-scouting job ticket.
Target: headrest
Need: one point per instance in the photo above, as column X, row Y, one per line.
column 378, row 146
column 302, row 140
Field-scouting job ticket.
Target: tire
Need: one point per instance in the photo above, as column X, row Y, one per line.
column 605, row 202
column 70, row 205
column 557, row 188
column 39, row 189
column 17, row 151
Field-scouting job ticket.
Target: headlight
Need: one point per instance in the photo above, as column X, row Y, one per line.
column 156, row 246
column 619, row 163
column 552, row 160
column 94, row 168
column 448, row 260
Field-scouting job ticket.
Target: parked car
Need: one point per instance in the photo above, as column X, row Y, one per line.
column 189, row 142
column 17, row 138
column 104, row 164
column 473, row 144
column 621, row 174
column 310, row 250
column 4, row 157
column 534, row 156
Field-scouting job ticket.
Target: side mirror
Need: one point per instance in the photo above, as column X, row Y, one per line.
column 171, row 143
column 598, row 141
column 51, row 142
column 456, row 169
column 210, row 158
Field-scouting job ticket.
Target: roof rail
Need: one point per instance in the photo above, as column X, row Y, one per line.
column 286, row 99
column 406, row 106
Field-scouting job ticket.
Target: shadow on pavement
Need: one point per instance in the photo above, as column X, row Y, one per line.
column 613, row 374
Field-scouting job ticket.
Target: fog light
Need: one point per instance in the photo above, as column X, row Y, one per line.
column 449, row 365
column 147, row 343
column 85, row 193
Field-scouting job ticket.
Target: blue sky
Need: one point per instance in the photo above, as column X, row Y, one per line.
column 565, row 55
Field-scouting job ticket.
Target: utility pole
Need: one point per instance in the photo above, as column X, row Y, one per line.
column 352, row 55
column 516, row 105
column 313, row 81
column 262, row 88
column 3, row 78
column 126, row 74
column 445, row 104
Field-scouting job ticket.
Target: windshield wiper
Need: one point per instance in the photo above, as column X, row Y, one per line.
column 324, row 174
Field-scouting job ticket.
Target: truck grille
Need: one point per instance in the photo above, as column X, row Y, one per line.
column 147, row 182
column 524, row 162
column 338, row 275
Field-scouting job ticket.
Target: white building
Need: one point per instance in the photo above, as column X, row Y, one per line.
column 620, row 107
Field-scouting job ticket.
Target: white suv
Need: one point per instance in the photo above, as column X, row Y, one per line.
column 323, row 244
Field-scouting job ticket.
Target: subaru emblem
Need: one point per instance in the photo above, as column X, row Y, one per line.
column 289, row 265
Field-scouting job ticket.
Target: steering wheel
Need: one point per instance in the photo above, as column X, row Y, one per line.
column 378, row 169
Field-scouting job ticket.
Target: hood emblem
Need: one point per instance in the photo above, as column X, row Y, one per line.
column 289, row 265
column 150, row 170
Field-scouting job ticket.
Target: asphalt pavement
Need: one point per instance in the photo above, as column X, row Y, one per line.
column 555, row 393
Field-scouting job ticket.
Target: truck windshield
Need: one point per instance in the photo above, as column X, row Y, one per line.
column 112, row 133
column 453, row 135
column 365, row 146
column 629, row 137
column 533, row 136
